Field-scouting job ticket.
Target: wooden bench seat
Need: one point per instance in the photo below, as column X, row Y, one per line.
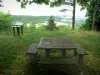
column 80, row 52
column 32, row 53
column 32, row 49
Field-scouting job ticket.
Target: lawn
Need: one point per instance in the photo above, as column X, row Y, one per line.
column 13, row 59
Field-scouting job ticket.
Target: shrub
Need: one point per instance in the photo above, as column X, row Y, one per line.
column 51, row 24
column 87, row 25
column 5, row 21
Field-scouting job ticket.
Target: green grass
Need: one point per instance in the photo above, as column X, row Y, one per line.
column 12, row 49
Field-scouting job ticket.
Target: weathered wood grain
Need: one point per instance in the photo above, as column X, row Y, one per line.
column 32, row 49
column 58, row 43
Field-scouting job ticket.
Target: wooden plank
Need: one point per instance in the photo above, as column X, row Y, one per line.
column 32, row 49
column 18, row 30
column 56, row 40
column 18, row 26
column 32, row 54
column 56, row 46
column 56, row 61
column 14, row 30
column 61, row 43
column 14, row 26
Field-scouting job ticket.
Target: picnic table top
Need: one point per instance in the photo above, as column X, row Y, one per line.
column 58, row 43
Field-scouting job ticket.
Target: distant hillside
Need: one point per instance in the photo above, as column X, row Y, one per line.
column 43, row 19
column 32, row 18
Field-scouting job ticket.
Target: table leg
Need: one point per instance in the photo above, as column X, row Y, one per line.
column 63, row 52
column 18, row 31
column 75, row 52
column 47, row 52
column 14, row 30
column 22, row 30
column 80, row 59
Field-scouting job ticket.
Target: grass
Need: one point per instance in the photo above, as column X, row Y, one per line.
column 12, row 49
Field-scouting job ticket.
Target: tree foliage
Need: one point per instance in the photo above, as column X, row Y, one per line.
column 47, row 2
column 93, row 9
column 1, row 3
column 87, row 25
column 25, row 2
column 5, row 21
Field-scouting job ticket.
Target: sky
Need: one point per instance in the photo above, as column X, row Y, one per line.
column 38, row 10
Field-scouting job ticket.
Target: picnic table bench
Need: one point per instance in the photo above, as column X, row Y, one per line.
column 80, row 52
column 32, row 53
column 63, row 44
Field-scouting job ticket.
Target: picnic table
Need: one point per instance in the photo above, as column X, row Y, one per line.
column 51, row 43
column 18, row 28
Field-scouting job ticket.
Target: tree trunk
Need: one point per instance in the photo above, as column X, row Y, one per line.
column 94, row 18
column 94, row 26
column 73, row 18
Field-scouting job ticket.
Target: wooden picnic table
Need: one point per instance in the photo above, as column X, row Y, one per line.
column 51, row 43
column 56, row 43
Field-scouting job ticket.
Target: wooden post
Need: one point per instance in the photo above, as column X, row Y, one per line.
column 22, row 30
column 75, row 52
column 63, row 52
column 32, row 58
column 14, row 30
column 32, row 69
column 47, row 52
column 80, row 59
column 18, row 31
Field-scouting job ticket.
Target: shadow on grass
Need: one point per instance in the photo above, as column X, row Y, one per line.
column 52, row 69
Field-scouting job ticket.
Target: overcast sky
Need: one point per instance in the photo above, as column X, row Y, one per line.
column 38, row 10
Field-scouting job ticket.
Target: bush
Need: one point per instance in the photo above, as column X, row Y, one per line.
column 5, row 21
column 87, row 25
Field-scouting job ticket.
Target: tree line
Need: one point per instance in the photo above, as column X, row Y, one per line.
column 92, row 6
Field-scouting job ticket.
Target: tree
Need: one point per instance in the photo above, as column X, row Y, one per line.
column 93, row 7
column 73, row 22
column 51, row 24
column 96, row 8
column 5, row 21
